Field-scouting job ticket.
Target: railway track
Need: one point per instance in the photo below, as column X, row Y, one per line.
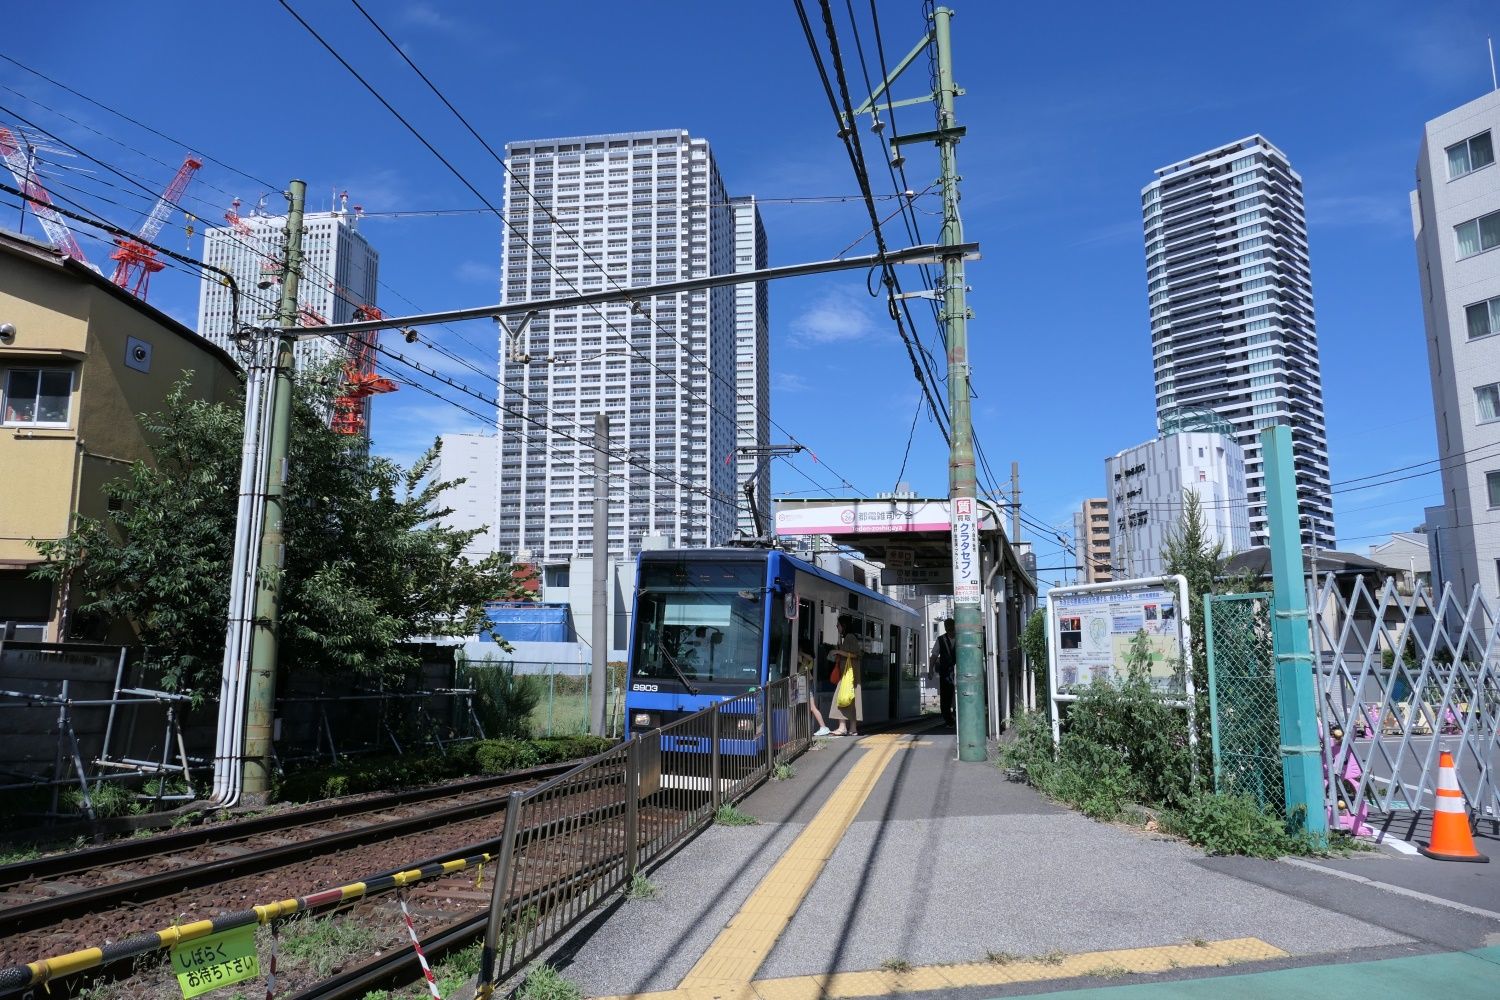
column 572, row 819
column 53, row 898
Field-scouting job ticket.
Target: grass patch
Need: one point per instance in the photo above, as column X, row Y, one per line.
column 728, row 815
column 783, row 772
column 896, row 965
column 326, row 944
column 1109, row 972
column 546, row 983
column 1053, row 957
column 1002, row 957
column 641, row 887
column 1198, row 942
column 109, row 798
column 458, row 970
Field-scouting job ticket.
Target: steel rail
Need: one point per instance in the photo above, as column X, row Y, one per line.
column 37, row 915
column 73, row 862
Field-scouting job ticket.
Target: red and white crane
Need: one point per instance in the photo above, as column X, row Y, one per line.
column 360, row 379
column 137, row 261
column 21, row 167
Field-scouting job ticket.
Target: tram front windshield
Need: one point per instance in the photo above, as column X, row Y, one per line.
column 703, row 618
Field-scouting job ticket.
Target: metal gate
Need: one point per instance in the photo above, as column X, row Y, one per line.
column 1402, row 677
column 1242, row 697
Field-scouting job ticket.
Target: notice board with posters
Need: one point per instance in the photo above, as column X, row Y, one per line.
column 1092, row 627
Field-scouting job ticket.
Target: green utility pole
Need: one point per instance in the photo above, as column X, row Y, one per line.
column 1296, row 690
column 261, row 708
column 961, row 483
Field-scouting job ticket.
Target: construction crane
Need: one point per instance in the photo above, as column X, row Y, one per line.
column 360, row 380
column 18, row 159
column 137, row 261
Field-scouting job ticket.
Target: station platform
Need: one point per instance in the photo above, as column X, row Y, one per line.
column 884, row 866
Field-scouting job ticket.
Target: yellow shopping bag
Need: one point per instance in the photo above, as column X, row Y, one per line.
column 844, row 695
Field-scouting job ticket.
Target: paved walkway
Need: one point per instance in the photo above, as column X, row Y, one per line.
column 882, row 866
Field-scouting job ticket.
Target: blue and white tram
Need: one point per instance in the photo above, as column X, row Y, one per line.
column 710, row 624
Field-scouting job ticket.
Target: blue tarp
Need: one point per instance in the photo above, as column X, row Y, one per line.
column 527, row 621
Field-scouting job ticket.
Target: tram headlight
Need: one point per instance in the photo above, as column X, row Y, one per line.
column 642, row 720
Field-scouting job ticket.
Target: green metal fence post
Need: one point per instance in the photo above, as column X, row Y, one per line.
column 1213, row 691
column 1295, row 691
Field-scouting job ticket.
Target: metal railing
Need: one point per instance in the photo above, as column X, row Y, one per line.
column 572, row 842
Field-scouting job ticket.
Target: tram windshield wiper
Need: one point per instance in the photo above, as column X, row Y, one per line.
column 675, row 669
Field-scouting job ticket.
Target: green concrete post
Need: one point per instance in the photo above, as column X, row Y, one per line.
column 1296, row 691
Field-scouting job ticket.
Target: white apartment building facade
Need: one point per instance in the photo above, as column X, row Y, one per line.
column 752, row 360
column 340, row 273
column 471, row 458
column 1232, row 328
column 1148, row 483
column 1456, row 226
column 594, row 212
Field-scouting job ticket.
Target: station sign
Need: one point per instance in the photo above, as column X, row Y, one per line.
column 965, row 550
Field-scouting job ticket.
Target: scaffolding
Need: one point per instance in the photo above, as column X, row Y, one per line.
column 69, row 766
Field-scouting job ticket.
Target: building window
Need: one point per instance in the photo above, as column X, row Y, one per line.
column 1469, row 155
column 1478, row 235
column 1487, row 402
column 1483, row 318
column 38, row 397
column 1492, row 481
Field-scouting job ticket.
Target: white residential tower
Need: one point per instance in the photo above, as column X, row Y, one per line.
column 1232, row 312
column 585, row 214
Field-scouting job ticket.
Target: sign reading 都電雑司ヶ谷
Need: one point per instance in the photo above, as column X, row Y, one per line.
column 965, row 550
column 220, row 959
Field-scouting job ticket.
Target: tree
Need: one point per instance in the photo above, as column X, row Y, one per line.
column 368, row 566
column 1188, row 551
column 1034, row 644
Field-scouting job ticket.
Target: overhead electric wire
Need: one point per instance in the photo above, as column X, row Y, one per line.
column 626, row 457
column 556, row 224
column 847, row 129
column 139, row 124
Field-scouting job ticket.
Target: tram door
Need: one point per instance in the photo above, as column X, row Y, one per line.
column 895, row 648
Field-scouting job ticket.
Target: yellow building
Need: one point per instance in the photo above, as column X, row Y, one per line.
column 80, row 360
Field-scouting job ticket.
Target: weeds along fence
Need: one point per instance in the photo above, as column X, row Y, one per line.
column 572, row 842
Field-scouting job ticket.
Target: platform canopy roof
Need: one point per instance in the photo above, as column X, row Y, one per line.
column 911, row 536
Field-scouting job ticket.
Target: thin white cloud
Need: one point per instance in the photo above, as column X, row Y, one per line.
column 486, row 272
column 839, row 317
column 425, row 15
column 789, row 382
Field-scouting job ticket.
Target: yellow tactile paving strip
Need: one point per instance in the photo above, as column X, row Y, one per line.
column 727, row 969
column 883, row 982
column 748, row 938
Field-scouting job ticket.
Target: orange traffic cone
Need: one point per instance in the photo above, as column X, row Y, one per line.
column 1451, row 839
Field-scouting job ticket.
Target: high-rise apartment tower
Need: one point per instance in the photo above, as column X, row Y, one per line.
column 1232, row 312
column 340, row 273
column 585, row 214
column 752, row 360
column 1456, row 221
column 1091, row 534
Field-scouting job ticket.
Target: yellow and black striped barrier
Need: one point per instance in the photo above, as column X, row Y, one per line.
column 18, row 977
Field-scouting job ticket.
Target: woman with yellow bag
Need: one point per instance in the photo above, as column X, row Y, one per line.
column 846, row 693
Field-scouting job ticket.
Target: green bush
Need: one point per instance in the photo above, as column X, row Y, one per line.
column 504, row 699
column 1223, row 823
column 378, row 774
column 500, row 756
column 1121, row 745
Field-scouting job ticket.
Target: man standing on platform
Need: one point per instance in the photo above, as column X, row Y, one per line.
column 944, row 659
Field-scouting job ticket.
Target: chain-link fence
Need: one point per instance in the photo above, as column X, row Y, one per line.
column 1242, row 697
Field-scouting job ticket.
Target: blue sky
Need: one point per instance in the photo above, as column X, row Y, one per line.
column 1069, row 109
